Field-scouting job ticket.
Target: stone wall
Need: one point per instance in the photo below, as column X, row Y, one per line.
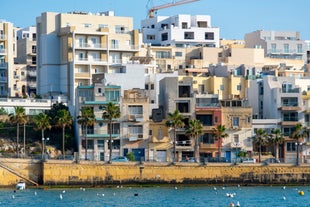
column 59, row 172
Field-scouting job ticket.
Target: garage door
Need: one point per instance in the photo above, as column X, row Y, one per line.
column 161, row 155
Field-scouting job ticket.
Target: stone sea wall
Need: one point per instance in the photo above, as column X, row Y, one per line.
column 59, row 172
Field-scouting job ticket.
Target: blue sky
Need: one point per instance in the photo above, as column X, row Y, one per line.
column 233, row 17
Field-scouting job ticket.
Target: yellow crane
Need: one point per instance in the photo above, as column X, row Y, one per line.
column 152, row 10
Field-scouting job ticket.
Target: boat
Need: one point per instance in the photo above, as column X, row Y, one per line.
column 21, row 186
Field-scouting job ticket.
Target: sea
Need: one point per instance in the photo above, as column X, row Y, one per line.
column 179, row 196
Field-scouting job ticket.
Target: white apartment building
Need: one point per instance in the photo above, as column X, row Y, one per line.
column 26, row 60
column 180, row 30
column 278, row 44
column 73, row 46
column 7, row 54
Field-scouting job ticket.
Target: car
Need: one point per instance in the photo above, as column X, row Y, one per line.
column 271, row 160
column 189, row 159
column 249, row 160
column 120, row 159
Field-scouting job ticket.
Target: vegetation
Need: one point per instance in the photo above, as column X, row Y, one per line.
column 86, row 119
column 260, row 138
column 19, row 117
column 63, row 119
column 194, row 130
column 130, row 156
column 109, row 112
column 220, row 133
column 276, row 137
column 175, row 121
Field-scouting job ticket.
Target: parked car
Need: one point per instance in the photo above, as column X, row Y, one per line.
column 120, row 159
column 216, row 159
column 249, row 160
column 271, row 160
column 189, row 159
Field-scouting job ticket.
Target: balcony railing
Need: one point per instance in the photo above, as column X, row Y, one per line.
column 282, row 51
column 90, row 46
column 2, row 37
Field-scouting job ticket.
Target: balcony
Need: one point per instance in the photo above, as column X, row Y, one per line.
column 2, row 51
column 207, row 147
column 2, row 37
column 184, row 145
column 135, row 137
column 289, row 122
column 93, row 61
column 124, row 47
column 89, row 46
column 3, row 65
column 290, row 107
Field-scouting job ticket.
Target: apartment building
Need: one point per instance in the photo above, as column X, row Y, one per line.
column 26, row 61
column 73, row 46
column 180, row 30
column 8, row 52
column 278, row 44
column 284, row 99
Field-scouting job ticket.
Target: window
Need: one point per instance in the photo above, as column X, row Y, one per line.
column 273, row 48
column 34, row 60
column 178, row 54
column 152, row 86
column 222, row 87
column 103, row 26
column 299, row 48
column 290, row 147
column 100, row 144
column 160, row 134
column 150, row 37
column 235, row 122
column 209, row 36
column 249, row 119
column 189, row 35
column 34, row 49
column 135, row 109
column 135, row 129
column 162, row 54
column 286, row 48
column 87, row 25
column 150, row 132
column 146, row 86
column 184, row 25
column 164, row 36
column 114, row 44
column 120, row 29
column 99, row 90
column 90, row 144
column 236, row 138
column 239, row 87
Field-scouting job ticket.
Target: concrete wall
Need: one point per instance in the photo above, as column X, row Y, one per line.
column 59, row 172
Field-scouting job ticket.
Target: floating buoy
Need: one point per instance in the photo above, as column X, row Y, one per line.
column 238, row 204
column 136, row 194
column 284, row 198
column 231, row 204
column 301, row 192
column 60, row 196
column 283, row 187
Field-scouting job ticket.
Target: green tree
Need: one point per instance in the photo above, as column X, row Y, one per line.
column 194, row 130
column 86, row 119
column 175, row 121
column 109, row 112
column 19, row 117
column 62, row 120
column 276, row 137
column 298, row 134
column 260, row 138
column 42, row 122
column 220, row 133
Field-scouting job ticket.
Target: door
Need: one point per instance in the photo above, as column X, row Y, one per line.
column 161, row 156
column 228, row 156
column 139, row 154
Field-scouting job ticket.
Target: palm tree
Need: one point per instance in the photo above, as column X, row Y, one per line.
column 298, row 134
column 276, row 138
column 110, row 111
column 19, row 118
column 86, row 119
column 260, row 139
column 175, row 120
column 219, row 133
column 194, row 130
column 42, row 122
column 63, row 119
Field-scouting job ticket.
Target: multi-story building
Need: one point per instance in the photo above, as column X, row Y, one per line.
column 135, row 123
column 180, row 31
column 7, row 54
column 97, row 136
column 284, row 99
column 278, row 44
column 26, row 59
column 73, row 46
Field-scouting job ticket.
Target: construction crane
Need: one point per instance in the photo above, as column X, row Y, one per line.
column 152, row 10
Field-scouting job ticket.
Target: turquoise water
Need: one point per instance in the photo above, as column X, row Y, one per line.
column 159, row 196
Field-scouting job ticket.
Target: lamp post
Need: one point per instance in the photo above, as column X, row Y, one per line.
column 297, row 144
column 43, row 146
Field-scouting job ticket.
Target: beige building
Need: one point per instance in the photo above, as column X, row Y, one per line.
column 7, row 54
column 73, row 46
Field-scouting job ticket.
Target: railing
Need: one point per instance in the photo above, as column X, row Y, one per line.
column 283, row 51
column 2, row 50
column 90, row 45
column 2, row 37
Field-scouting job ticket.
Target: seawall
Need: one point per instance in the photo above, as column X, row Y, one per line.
column 59, row 172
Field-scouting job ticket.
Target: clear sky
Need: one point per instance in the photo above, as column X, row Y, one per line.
column 233, row 17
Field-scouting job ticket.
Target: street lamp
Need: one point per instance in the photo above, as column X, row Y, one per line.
column 43, row 146
column 297, row 144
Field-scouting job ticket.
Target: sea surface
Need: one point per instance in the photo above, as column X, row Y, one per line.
column 160, row 196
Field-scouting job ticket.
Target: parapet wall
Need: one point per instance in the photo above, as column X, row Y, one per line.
column 59, row 172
